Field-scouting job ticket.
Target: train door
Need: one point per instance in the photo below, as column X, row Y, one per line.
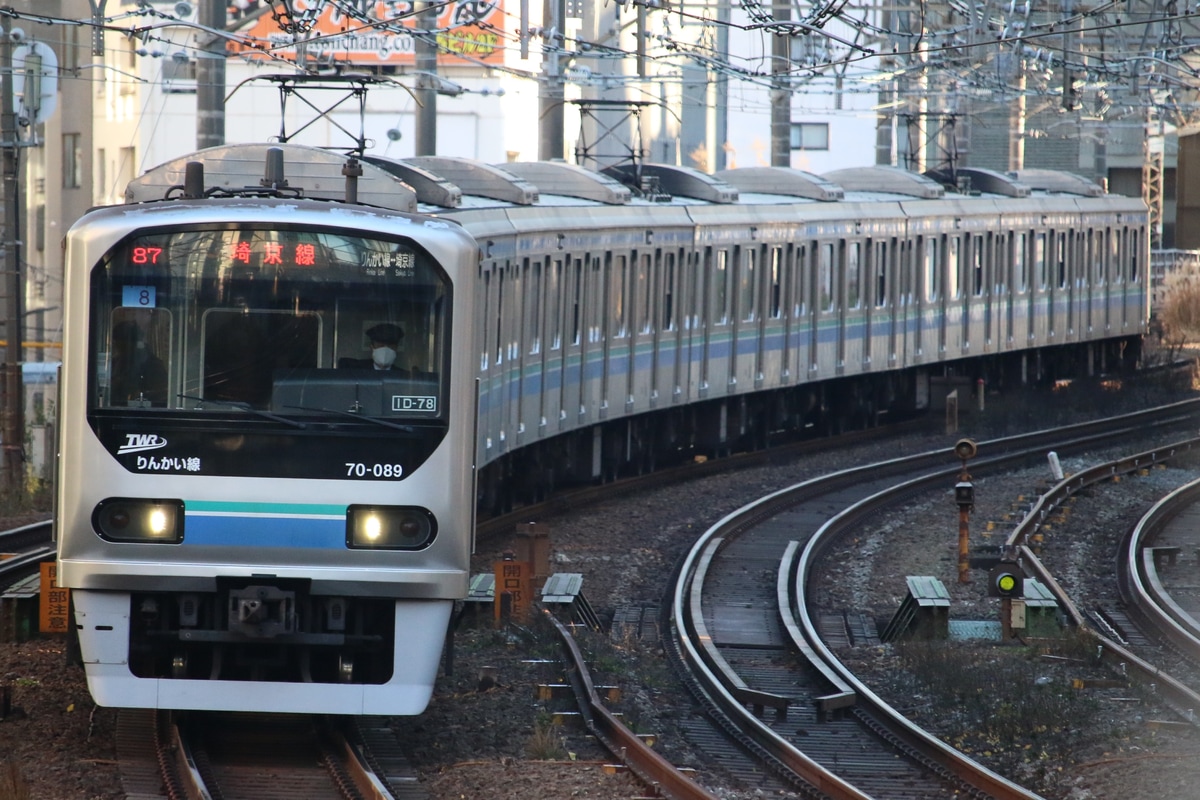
column 768, row 259
column 553, row 348
column 532, row 371
column 489, row 408
column 825, row 307
column 929, row 293
column 662, row 321
column 592, row 310
column 704, row 306
column 976, row 312
column 617, row 343
column 952, row 303
column 573, row 346
column 692, row 299
column 675, row 317
column 1018, row 286
column 774, row 359
column 1137, row 283
column 1112, row 311
column 743, row 307
column 902, row 310
column 1039, row 272
column 790, row 313
column 513, row 357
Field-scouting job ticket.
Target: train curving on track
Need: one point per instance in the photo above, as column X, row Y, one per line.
column 692, row 314
column 245, row 499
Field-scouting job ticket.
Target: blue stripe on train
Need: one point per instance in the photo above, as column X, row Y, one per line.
column 236, row 531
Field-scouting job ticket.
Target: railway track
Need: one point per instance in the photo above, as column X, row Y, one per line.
column 264, row 756
column 737, row 633
column 1082, row 437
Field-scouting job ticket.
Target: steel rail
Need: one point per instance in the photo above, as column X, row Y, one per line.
column 702, row 656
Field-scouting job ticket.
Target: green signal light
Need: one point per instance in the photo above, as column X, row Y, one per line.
column 1006, row 583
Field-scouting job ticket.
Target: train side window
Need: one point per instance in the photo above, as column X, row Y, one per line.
column 1114, row 255
column 720, row 289
column 577, row 278
column 881, row 274
column 825, row 277
column 643, row 293
column 1060, row 259
column 800, row 288
column 484, row 361
column 1001, row 247
column 499, row 316
column 554, row 302
column 977, row 281
column 953, row 267
column 1098, row 257
column 534, row 315
column 776, row 298
column 1135, row 274
column 854, row 274
column 138, row 372
column 619, row 276
column 594, row 311
column 932, row 268
column 668, row 323
column 1040, row 262
column 1021, row 261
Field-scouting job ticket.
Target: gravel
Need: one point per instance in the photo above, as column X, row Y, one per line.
column 498, row 739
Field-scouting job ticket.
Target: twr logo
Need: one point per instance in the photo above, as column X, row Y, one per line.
column 138, row 442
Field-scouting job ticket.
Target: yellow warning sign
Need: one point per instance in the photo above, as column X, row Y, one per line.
column 53, row 616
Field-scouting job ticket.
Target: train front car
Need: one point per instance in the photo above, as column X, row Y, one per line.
column 265, row 494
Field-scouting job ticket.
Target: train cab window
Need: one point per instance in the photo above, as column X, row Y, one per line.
column 242, row 348
column 138, row 374
column 231, row 320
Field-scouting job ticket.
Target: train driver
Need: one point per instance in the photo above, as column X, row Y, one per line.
column 385, row 340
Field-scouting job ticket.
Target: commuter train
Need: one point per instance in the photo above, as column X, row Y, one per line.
column 559, row 325
column 250, row 515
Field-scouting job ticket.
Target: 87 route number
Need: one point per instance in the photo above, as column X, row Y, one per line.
column 357, row 469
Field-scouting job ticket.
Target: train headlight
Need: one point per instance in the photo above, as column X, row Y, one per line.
column 124, row 519
column 389, row 527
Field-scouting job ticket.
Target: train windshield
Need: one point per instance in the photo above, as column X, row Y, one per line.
column 285, row 322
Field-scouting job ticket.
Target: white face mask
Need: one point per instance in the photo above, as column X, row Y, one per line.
column 383, row 357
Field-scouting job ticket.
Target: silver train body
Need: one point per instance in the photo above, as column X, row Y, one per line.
column 250, row 516
column 622, row 333
column 613, row 331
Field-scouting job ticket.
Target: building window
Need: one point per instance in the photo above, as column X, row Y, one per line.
column 179, row 74
column 72, row 161
column 810, row 135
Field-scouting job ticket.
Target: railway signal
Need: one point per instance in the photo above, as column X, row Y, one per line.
column 1006, row 580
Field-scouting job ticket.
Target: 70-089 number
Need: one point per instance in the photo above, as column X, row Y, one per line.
column 357, row 469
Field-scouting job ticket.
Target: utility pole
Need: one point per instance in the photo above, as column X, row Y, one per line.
column 427, row 81
column 210, row 78
column 13, row 415
column 550, row 88
column 781, row 94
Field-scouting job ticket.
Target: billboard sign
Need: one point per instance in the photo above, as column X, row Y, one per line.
column 376, row 32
